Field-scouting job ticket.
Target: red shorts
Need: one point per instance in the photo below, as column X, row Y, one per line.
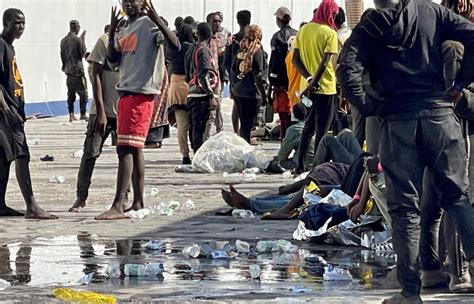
column 133, row 119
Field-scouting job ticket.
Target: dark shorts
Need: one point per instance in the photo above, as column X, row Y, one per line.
column 12, row 138
column 76, row 84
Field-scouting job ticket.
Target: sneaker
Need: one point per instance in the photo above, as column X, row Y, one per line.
column 460, row 284
column 84, row 117
column 434, row 279
column 186, row 161
column 401, row 299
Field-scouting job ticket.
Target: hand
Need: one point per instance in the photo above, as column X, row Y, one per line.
column 151, row 12
column 355, row 209
column 115, row 19
column 100, row 123
column 83, row 35
column 454, row 94
column 344, row 105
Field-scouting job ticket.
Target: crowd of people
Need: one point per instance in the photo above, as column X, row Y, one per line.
column 383, row 110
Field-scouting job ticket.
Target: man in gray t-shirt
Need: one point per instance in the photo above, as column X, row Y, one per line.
column 135, row 49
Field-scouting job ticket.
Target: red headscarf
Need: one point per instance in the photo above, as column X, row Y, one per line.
column 324, row 14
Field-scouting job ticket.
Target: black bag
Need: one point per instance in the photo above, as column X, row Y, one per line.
column 268, row 113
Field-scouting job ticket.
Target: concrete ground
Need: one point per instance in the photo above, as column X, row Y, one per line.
column 37, row 256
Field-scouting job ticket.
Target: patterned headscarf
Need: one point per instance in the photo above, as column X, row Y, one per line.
column 324, row 14
column 249, row 46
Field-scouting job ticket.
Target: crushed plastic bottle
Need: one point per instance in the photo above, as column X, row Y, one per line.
column 253, row 170
column 78, row 154
column 242, row 246
column 87, row 279
column 255, row 271
column 4, row 284
column 67, row 294
column 139, row 214
column 140, row 270
column 242, row 214
column 249, row 177
column 58, row 179
column 184, row 169
column 153, row 192
column 332, row 273
column 33, row 142
column 284, row 246
column 154, row 245
column 265, row 246
column 188, row 206
column 299, row 289
column 192, row 251
column 219, row 254
column 113, row 271
column 288, row 177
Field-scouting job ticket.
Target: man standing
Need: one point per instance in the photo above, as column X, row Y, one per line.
column 73, row 49
column 103, row 117
column 215, row 118
column 314, row 56
column 400, row 45
column 278, row 90
column 135, row 47
column 13, row 146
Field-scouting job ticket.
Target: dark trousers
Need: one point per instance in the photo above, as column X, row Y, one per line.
column 438, row 234
column 76, row 85
column 358, row 125
column 285, row 123
column 93, row 145
column 248, row 110
column 406, row 148
column 372, row 134
column 199, row 112
column 341, row 149
column 318, row 120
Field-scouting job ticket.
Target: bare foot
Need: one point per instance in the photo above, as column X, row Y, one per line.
column 7, row 211
column 135, row 207
column 37, row 213
column 227, row 197
column 112, row 214
column 78, row 206
column 238, row 199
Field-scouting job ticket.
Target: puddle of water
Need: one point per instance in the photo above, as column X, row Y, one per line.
column 62, row 261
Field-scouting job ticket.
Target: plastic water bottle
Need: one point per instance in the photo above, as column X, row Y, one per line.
column 288, row 177
column 332, row 273
column 58, row 179
column 242, row 214
column 188, row 206
column 174, row 205
column 241, row 246
column 255, row 271
column 285, row 246
column 154, row 245
column 154, row 269
column 153, row 192
column 265, row 246
column 191, row 251
column 134, row 270
column 113, row 271
column 4, row 284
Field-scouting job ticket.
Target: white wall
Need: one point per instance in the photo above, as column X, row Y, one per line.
column 47, row 22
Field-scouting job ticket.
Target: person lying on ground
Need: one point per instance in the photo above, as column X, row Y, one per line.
column 13, row 145
column 342, row 148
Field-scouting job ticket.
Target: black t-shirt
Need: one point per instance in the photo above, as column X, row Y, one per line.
column 229, row 55
column 11, row 82
column 176, row 58
column 246, row 87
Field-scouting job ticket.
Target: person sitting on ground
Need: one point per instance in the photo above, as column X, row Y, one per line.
column 291, row 141
column 342, row 148
column 13, row 145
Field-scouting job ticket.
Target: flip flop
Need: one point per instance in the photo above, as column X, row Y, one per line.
column 47, row 158
column 227, row 212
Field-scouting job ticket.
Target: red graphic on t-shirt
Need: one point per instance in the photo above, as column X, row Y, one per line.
column 128, row 43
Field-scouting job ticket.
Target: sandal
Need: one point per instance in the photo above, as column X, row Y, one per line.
column 47, row 157
column 227, row 212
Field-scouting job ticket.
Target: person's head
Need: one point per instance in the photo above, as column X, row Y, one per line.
column 106, row 28
column 283, row 17
column 325, row 13
column 132, row 7
column 299, row 111
column 178, row 23
column 204, row 31
column 461, row 7
column 221, row 15
column 381, row 4
column 340, row 18
column 215, row 21
column 74, row 26
column 13, row 23
column 185, row 34
column 189, row 20
column 243, row 18
column 253, row 32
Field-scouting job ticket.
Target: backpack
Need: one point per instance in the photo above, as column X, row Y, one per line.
column 213, row 74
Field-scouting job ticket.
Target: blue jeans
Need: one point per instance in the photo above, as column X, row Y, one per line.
column 269, row 203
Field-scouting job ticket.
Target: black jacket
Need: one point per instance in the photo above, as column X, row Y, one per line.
column 401, row 49
column 278, row 74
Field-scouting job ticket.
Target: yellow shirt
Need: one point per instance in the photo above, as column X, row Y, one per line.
column 293, row 79
column 313, row 41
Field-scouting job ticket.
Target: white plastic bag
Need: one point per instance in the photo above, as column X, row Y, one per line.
column 227, row 152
